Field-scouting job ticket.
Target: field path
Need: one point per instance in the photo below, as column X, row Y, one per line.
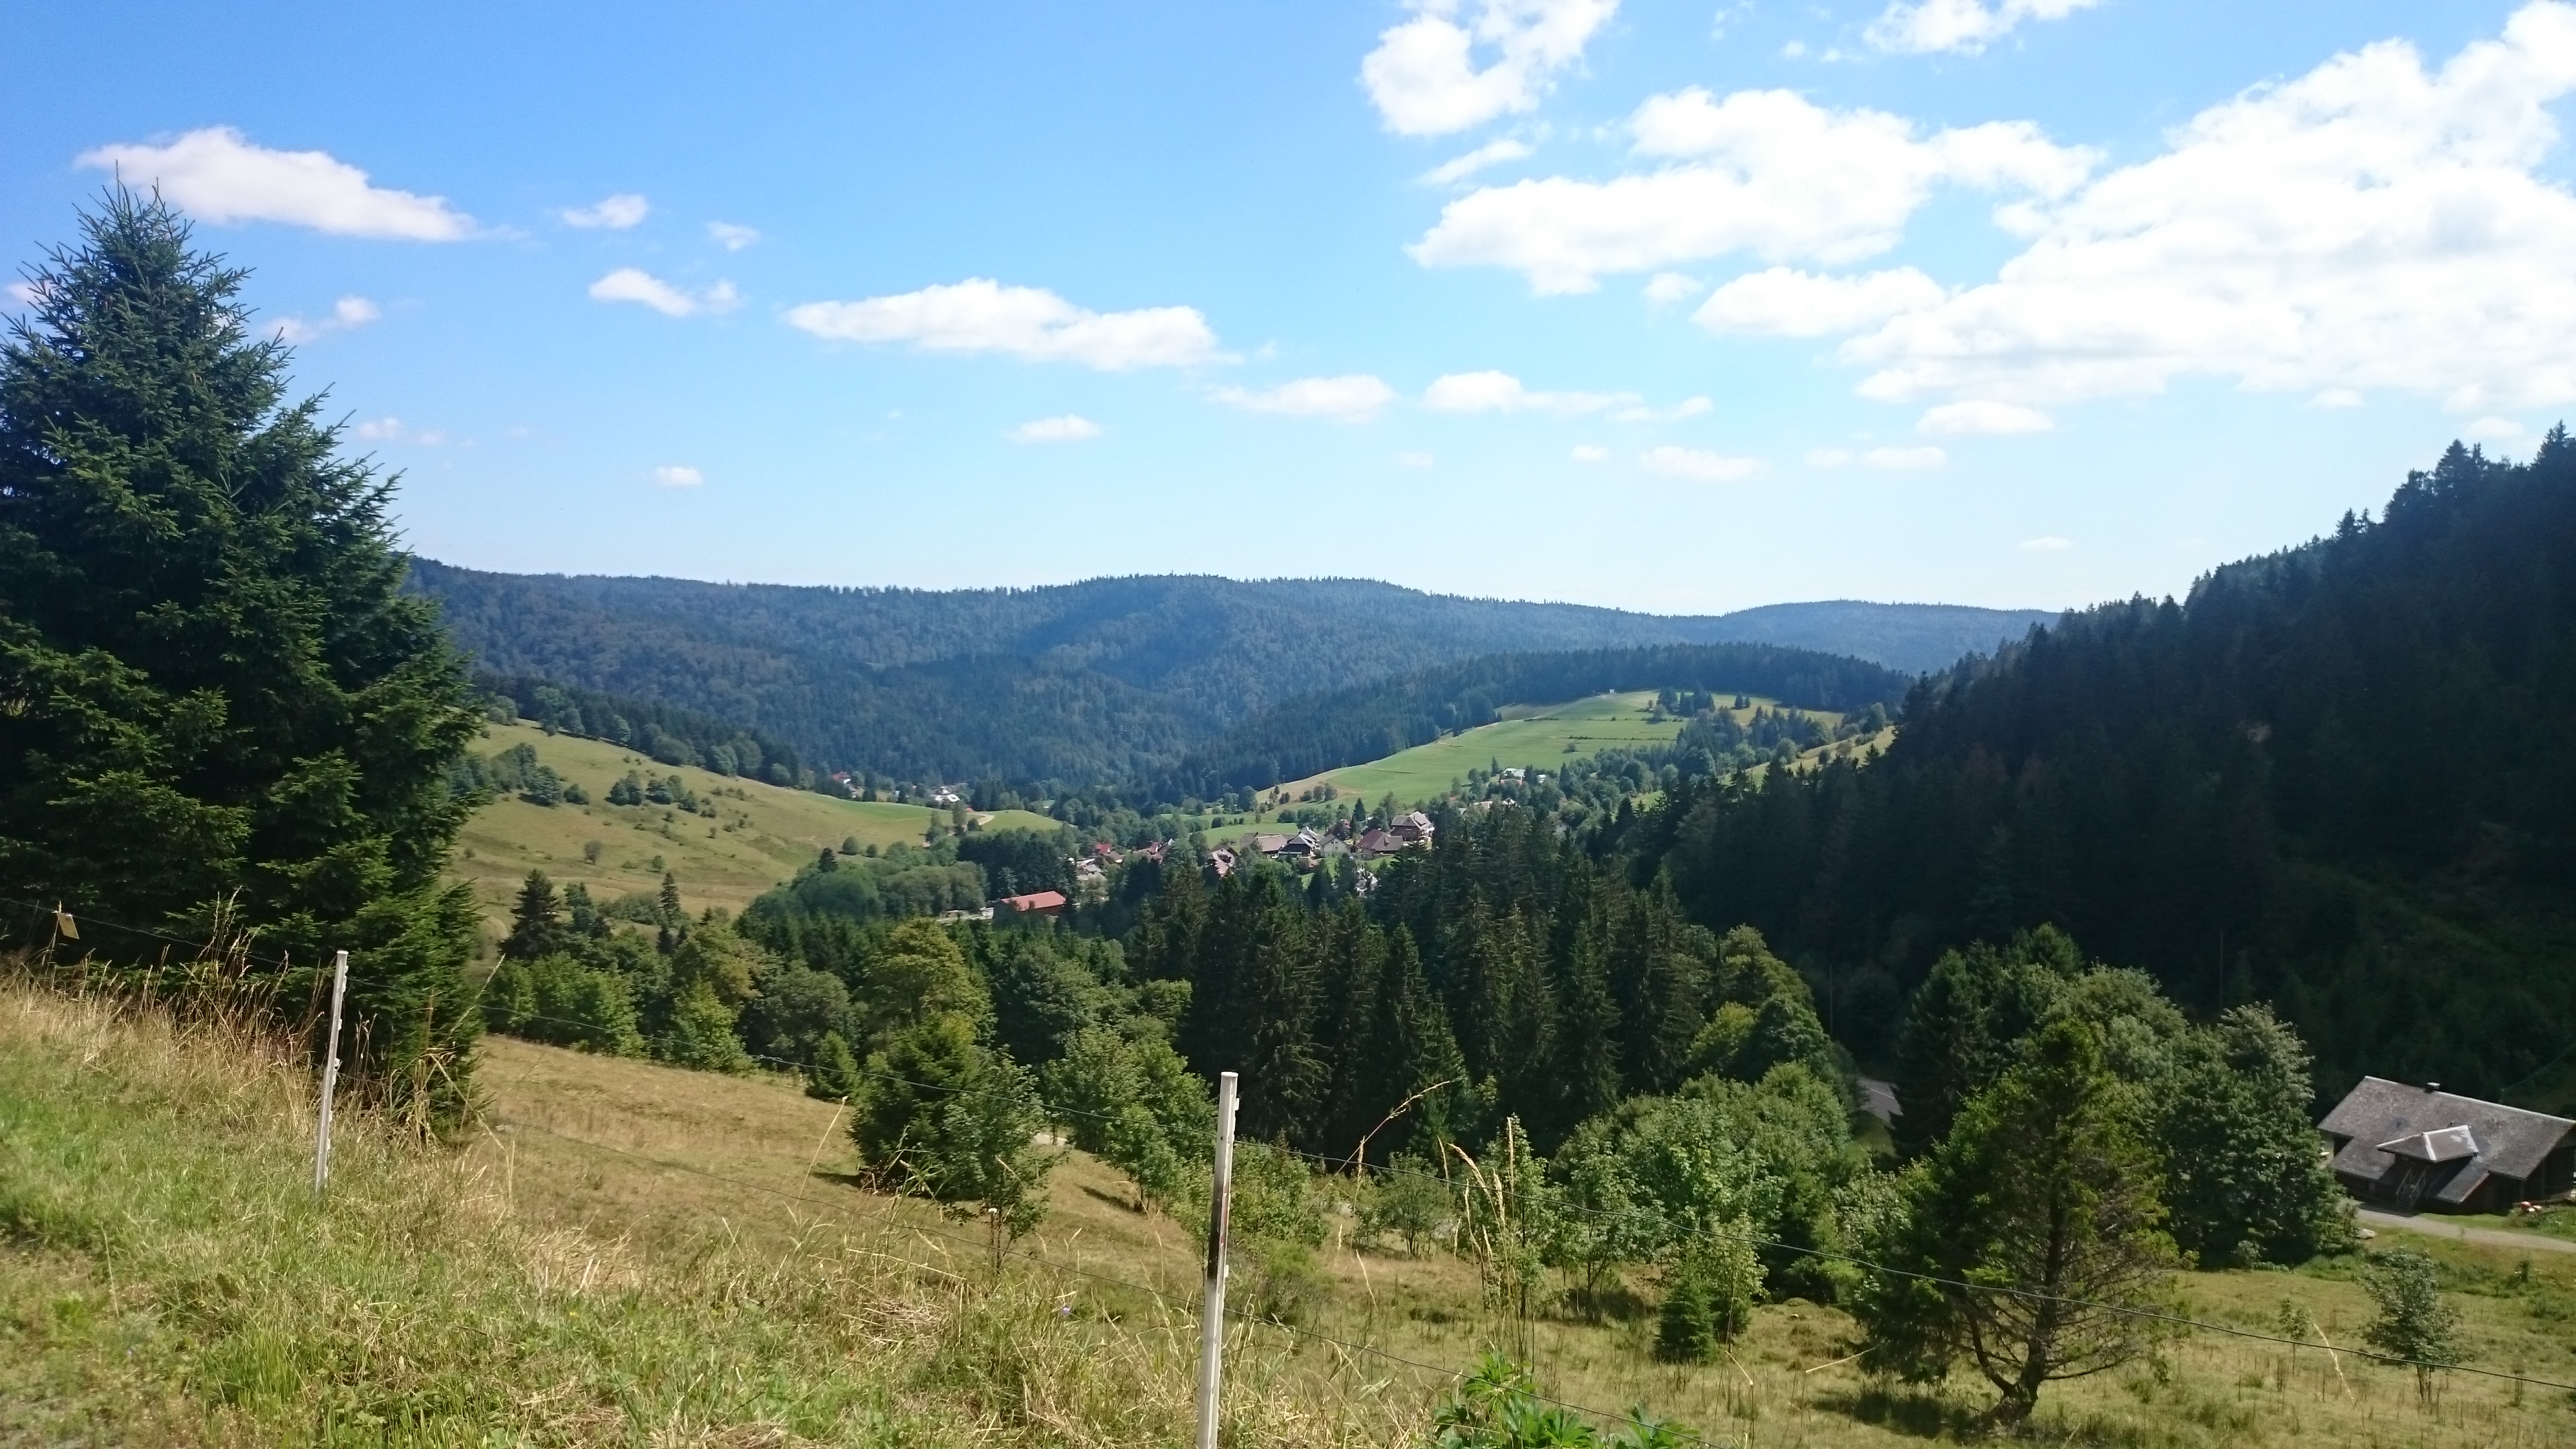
column 2490, row 1237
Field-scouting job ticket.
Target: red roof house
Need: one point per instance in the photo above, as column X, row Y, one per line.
column 1037, row 903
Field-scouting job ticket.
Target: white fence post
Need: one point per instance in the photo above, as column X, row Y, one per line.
column 330, row 1077
column 1212, row 1313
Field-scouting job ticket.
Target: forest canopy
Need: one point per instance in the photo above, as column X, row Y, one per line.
column 2340, row 778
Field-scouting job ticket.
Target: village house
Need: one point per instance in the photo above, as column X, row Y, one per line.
column 1035, row 903
column 1304, row 850
column 1221, row 860
column 2416, row 1147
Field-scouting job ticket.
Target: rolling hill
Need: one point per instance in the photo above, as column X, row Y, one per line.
column 1081, row 684
column 1325, row 731
column 750, row 837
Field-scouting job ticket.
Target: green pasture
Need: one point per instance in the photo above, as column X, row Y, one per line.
column 1532, row 736
column 759, row 836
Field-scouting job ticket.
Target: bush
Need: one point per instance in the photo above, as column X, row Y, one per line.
column 1136, row 1107
column 941, row 1117
column 1409, row 1201
column 559, row 1000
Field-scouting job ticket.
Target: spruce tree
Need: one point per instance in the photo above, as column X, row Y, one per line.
column 2034, row 1229
column 536, row 922
column 212, row 687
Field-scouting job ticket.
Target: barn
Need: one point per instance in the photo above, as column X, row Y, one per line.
column 2413, row 1146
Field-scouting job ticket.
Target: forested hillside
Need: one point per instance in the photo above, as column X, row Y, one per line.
column 1108, row 680
column 2341, row 778
column 1314, row 733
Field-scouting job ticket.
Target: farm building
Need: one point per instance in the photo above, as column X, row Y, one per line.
column 2413, row 1147
column 1036, row 903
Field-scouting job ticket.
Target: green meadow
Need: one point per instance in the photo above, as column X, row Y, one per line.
column 759, row 835
column 1532, row 736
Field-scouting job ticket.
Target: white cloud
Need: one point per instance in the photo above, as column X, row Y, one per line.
column 1415, row 460
column 1353, row 398
column 1587, row 453
column 346, row 313
column 615, row 213
column 1666, row 287
column 1699, row 466
column 2336, row 397
column 2495, row 430
column 1981, row 417
column 1763, row 172
column 634, row 284
column 1424, row 76
column 1689, row 407
column 1928, row 27
column 1069, row 428
column 2369, row 225
column 678, row 475
column 394, row 430
column 1458, row 168
column 218, row 175
column 21, row 293
column 982, row 315
column 1892, row 460
column 731, row 236
column 1500, row 392
column 1785, row 302
column 2049, row 544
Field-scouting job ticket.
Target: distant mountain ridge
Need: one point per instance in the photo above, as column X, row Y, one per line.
column 1097, row 681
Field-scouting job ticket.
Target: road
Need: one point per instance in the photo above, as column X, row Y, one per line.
column 2451, row 1228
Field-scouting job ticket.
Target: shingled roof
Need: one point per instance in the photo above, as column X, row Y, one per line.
column 2380, row 1121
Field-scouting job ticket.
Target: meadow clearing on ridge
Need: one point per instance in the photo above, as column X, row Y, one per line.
column 758, row 835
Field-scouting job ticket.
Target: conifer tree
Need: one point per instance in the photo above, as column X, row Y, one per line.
column 2032, row 1226
column 214, row 686
column 536, row 922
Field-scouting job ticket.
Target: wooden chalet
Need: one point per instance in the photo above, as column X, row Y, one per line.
column 2416, row 1147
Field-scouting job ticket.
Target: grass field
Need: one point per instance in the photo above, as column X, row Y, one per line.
column 759, row 838
column 1532, row 736
column 630, row 1254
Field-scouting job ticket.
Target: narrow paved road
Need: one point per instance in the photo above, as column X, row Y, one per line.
column 2451, row 1228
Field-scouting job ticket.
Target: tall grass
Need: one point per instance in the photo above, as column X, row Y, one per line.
column 166, row 1276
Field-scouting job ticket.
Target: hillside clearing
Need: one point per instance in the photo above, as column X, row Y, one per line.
column 629, row 1253
column 1535, row 737
column 759, row 835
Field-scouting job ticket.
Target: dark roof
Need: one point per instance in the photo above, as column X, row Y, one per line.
column 2380, row 1120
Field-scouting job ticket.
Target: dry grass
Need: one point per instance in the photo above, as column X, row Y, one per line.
column 631, row 1254
column 1780, row 1384
column 167, row 1278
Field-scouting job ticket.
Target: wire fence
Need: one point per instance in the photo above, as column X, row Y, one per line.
column 1331, row 1164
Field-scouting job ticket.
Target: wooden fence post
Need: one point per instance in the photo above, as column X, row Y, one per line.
column 1212, row 1311
column 330, row 1076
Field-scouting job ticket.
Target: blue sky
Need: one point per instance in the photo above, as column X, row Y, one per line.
column 1669, row 306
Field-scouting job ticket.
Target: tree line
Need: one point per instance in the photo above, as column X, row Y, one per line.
column 2341, row 778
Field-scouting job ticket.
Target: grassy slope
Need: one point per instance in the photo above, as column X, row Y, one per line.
column 760, row 838
column 1533, row 736
column 569, row 1279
